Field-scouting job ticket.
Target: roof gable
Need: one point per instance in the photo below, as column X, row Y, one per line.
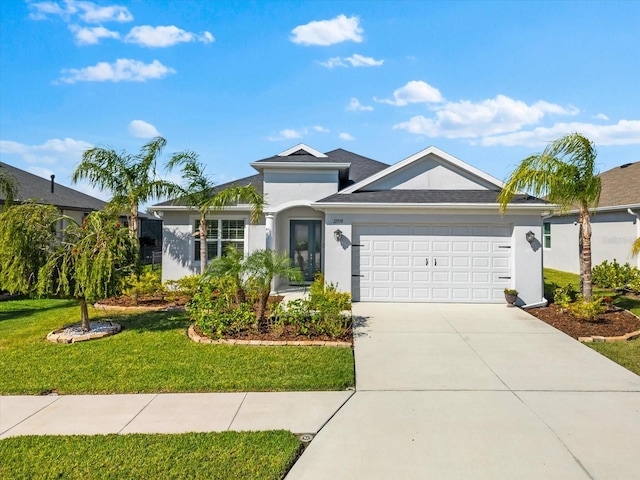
column 301, row 149
column 430, row 169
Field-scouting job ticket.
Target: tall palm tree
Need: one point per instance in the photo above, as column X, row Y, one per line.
column 8, row 187
column 131, row 179
column 200, row 192
column 565, row 172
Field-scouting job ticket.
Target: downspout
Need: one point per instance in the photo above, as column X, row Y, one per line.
column 637, row 215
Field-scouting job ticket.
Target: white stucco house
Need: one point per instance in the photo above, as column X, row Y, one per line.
column 426, row 229
column 615, row 224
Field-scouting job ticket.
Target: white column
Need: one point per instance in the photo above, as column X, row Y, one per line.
column 270, row 222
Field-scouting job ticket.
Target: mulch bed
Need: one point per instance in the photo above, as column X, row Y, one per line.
column 144, row 302
column 612, row 323
column 285, row 335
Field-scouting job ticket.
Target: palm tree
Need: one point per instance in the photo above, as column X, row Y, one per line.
column 8, row 187
column 635, row 248
column 200, row 192
column 565, row 172
column 131, row 179
column 265, row 265
column 232, row 265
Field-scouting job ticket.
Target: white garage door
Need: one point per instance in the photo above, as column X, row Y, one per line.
column 431, row 263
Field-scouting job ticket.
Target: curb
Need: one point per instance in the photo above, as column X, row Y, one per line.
column 265, row 343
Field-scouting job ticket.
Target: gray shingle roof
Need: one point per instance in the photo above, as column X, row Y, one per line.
column 427, row 196
column 256, row 180
column 620, row 185
column 33, row 187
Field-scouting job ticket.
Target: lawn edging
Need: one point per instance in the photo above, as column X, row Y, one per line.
column 196, row 337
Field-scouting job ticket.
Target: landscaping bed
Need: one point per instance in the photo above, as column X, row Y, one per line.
column 613, row 323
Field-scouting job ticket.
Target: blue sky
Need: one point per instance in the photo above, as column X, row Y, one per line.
column 488, row 82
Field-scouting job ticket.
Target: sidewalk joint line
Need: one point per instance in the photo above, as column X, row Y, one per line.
column 139, row 412
column 29, row 416
column 237, row 411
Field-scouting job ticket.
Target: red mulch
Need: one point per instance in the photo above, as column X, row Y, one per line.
column 612, row 323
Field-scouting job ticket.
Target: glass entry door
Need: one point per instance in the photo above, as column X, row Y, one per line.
column 306, row 247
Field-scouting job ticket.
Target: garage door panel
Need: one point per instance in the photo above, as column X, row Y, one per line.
column 437, row 263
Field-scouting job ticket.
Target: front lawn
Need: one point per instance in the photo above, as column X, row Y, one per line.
column 151, row 355
column 246, row 455
column 626, row 353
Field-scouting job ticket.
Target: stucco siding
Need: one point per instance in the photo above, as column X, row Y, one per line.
column 612, row 234
column 284, row 187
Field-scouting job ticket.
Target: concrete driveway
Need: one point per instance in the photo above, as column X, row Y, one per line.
column 450, row 391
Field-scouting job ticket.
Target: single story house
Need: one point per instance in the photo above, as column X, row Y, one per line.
column 427, row 229
column 615, row 224
column 77, row 205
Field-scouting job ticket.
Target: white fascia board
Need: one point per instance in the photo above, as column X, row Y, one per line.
column 306, row 148
column 561, row 213
column 417, row 156
column 185, row 208
column 300, row 165
column 440, row 206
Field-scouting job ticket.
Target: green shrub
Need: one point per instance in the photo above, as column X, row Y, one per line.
column 563, row 296
column 587, row 310
column 321, row 294
column 147, row 284
column 187, row 286
column 614, row 275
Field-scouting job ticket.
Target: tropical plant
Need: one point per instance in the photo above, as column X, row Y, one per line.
column 90, row 262
column 233, row 265
column 27, row 237
column 635, row 247
column 565, row 172
column 8, row 187
column 263, row 266
column 147, row 284
column 613, row 275
column 200, row 192
column 131, row 179
column 587, row 309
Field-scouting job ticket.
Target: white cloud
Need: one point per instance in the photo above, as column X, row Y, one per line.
column 601, row 116
column 164, row 36
column 328, row 32
column 91, row 35
column 355, row 105
column 122, row 69
column 88, row 12
column 625, row 132
column 286, row 134
column 465, row 119
column 354, row 60
column 345, row 136
column 415, row 91
column 51, row 152
column 142, row 129
column 321, row 129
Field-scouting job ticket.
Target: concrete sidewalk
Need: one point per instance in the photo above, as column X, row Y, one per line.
column 299, row 412
column 476, row 392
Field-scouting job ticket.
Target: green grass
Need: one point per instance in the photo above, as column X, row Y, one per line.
column 152, row 354
column 626, row 353
column 226, row 455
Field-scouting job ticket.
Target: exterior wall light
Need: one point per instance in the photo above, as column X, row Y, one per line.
column 337, row 235
column 530, row 236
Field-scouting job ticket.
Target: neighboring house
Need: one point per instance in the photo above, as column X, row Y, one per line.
column 614, row 224
column 427, row 229
column 77, row 205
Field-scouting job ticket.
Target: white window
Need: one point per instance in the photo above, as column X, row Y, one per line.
column 546, row 234
column 220, row 233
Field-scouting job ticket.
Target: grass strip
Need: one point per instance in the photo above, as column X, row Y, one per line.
column 151, row 355
column 225, row 455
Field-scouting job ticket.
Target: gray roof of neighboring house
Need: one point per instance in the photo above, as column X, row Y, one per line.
column 31, row 186
column 361, row 168
column 620, row 185
column 427, row 196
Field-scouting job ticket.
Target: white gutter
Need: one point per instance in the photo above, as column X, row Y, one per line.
column 543, row 303
column 454, row 206
column 599, row 209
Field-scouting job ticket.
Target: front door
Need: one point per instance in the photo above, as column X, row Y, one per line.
column 306, row 247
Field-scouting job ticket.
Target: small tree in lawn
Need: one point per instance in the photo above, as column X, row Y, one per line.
column 565, row 172
column 263, row 266
column 27, row 238
column 90, row 262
